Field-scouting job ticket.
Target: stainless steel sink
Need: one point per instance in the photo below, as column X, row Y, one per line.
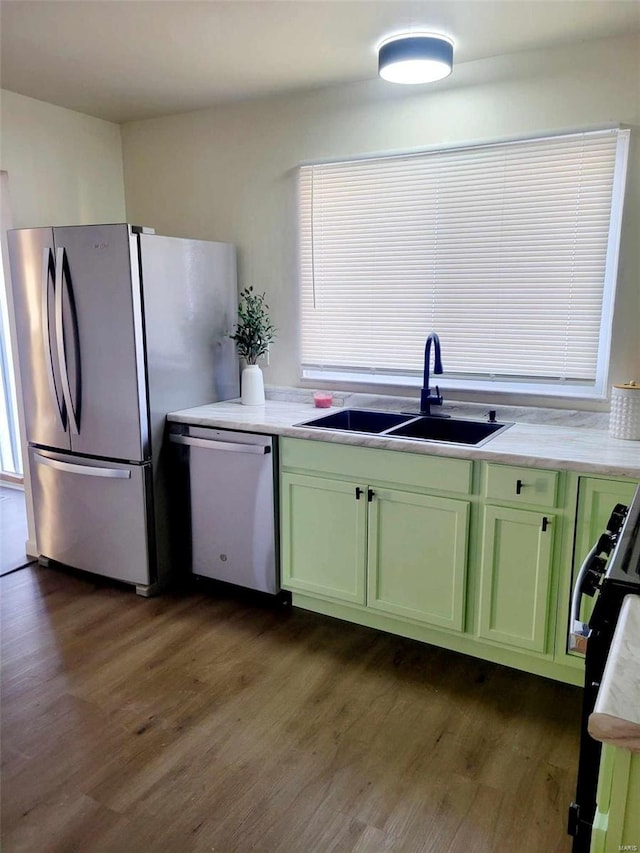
column 420, row 428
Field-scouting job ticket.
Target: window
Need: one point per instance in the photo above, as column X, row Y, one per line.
column 508, row 251
column 10, row 459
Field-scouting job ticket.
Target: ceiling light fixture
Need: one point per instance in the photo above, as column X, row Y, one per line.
column 415, row 58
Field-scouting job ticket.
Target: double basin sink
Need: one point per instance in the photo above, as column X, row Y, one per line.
column 407, row 426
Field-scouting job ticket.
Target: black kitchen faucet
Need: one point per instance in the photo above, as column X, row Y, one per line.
column 427, row 399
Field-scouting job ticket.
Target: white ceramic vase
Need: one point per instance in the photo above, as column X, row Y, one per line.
column 252, row 386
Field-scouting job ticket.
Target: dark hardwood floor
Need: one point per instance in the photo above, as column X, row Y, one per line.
column 194, row 722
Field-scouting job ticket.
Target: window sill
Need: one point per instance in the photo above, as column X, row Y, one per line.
column 460, row 388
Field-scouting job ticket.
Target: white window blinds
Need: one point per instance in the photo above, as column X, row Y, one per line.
column 503, row 250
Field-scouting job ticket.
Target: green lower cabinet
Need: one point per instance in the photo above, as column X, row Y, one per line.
column 323, row 537
column 412, row 548
column 616, row 825
column 596, row 500
column 472, row 556
column 417, row 557
column 515, row 577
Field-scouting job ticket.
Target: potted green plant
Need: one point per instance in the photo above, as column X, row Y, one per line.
column 253, row 335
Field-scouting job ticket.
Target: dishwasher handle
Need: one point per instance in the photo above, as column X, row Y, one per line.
column 212, row 444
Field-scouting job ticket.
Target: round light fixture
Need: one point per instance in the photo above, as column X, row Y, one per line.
column 415, row 58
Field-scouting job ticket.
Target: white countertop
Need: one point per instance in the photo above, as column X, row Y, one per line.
column 616, row 716
column 574, row 448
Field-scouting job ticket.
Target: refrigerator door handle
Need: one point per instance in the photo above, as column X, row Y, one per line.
column 221, row 445
column 62, row 356
column 86, row 470
column 48, row 272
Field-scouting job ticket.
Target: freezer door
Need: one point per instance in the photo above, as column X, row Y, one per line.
column 92, row 515
column 102, row 353
column 32, row 260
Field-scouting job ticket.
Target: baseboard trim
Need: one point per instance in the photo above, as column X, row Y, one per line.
column 12, row 481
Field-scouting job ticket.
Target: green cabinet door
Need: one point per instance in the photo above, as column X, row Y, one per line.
column 616, row 823
column 323, row 535
column 515, row 577
column 417, row 557
column 596, row 500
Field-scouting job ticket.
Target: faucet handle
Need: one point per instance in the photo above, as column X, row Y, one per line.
column 438, row 398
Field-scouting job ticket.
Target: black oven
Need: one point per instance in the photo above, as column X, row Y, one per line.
column 611, row 572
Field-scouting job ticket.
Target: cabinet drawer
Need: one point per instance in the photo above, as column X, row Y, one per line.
column 521, row 485
column 367, row 465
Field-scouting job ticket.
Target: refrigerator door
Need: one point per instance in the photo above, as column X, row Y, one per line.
column 92, row 515
column 32, row 259
column 190, row 302
column 101, row 354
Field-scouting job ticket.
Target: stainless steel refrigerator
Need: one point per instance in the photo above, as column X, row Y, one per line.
column 116, row 327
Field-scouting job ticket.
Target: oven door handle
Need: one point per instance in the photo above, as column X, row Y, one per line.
column 578, row 630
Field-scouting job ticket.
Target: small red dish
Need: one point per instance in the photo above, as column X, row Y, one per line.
column 322, row 399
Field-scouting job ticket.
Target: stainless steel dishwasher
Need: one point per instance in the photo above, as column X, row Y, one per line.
column 231, row 504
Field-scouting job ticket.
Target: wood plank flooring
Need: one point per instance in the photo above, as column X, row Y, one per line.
column 194, row 722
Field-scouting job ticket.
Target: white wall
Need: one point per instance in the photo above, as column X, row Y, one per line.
column 62, row 168
column 228, row 173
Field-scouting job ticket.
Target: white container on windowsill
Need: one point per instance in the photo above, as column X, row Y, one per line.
column 252, row 386
column 624, row 420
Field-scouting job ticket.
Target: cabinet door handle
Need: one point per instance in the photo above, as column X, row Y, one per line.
column 519, row 485
column 359, row 492
column 370, row 495
column 545, row 523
